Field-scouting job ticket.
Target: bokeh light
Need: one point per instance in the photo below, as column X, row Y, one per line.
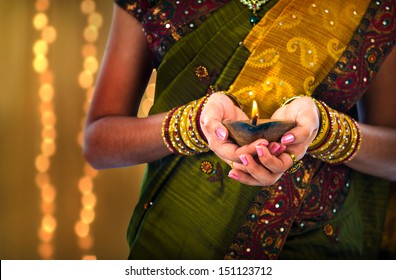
column 88, row 6
column 40, row 21
column 42, row 162
column 49, row 34
column 86, row 80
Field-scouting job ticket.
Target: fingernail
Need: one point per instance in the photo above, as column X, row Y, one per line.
column 244, row 160
column 233, row 175
column 264, row 143
column 275, row 148
column 221, row 133
column 287, row 139
column 281, row 149
column 259, row 151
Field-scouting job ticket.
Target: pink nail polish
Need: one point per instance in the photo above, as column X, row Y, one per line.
column 287, row 139
column 263, row 143
column 244, row 160
column 233, row 176
column 259, row 151
column 275, row 148
column 281, row 149
column 221, row 133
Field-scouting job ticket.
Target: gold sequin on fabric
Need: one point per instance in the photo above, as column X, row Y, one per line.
column 201, row 72
column 328, row 230
column 292, row 49
column 207, row 167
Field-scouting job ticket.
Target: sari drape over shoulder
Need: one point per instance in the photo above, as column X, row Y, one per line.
column 331, row 50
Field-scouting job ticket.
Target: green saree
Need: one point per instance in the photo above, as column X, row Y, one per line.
column 190, row 209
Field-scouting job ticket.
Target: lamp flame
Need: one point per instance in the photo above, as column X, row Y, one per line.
column 255, row 114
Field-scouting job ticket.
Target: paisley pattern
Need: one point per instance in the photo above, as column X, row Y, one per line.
column 288, row 20
column 313, row 202
column 325, row 197
column 309, row 85
column 374, row 39
column 271, row 217
column 308, row 51
column 166, row 22
column 298, row 202
column 335, row 48
column 267, row 58
column 299, row 44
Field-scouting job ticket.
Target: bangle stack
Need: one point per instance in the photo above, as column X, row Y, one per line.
column 339, row 137
column 181, row 130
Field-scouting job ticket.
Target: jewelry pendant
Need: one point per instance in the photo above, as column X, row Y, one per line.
column 254, row 5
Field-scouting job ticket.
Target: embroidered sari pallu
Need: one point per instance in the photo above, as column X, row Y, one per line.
column 189, row 208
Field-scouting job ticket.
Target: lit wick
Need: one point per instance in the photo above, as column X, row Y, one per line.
column 244, row 132
column 255, row 114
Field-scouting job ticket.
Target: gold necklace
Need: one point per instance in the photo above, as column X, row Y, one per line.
column 254, row 5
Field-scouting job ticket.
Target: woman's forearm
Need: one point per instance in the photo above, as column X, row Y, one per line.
column 377, row 155
column 119, row 141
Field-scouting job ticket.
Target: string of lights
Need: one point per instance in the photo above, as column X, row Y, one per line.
column 48, row 119
column 86, row 80
column 46, row 95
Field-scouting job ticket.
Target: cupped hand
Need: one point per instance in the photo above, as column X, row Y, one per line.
column 274, row 159
column 219, row 108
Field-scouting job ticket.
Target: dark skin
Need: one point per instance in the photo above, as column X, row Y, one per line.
column 116, row 137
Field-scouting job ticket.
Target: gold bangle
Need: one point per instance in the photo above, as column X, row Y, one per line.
column 188, row 132
column 324, row 127
column 180, row 130
column 329, row 142
column 349, row 150
column 343, row 142
column 175, row 136
column 357, row 141
column 183, row 128
column 197, row 109
column 165, row 131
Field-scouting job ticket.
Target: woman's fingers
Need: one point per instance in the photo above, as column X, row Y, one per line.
column 275, row 164
column 254, row 174
column 220, row 107
column 264, row 169
column 269, row 162
column 251, row 171
column 243, row 178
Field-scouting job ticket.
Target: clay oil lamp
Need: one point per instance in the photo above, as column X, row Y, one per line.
column 246, row 132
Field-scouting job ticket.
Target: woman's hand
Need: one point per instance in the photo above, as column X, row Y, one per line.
column 275, row 159
column 220, row 108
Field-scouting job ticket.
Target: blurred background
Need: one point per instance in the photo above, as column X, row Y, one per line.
column 52, row 204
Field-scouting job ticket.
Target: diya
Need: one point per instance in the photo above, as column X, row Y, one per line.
column 246, row 132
